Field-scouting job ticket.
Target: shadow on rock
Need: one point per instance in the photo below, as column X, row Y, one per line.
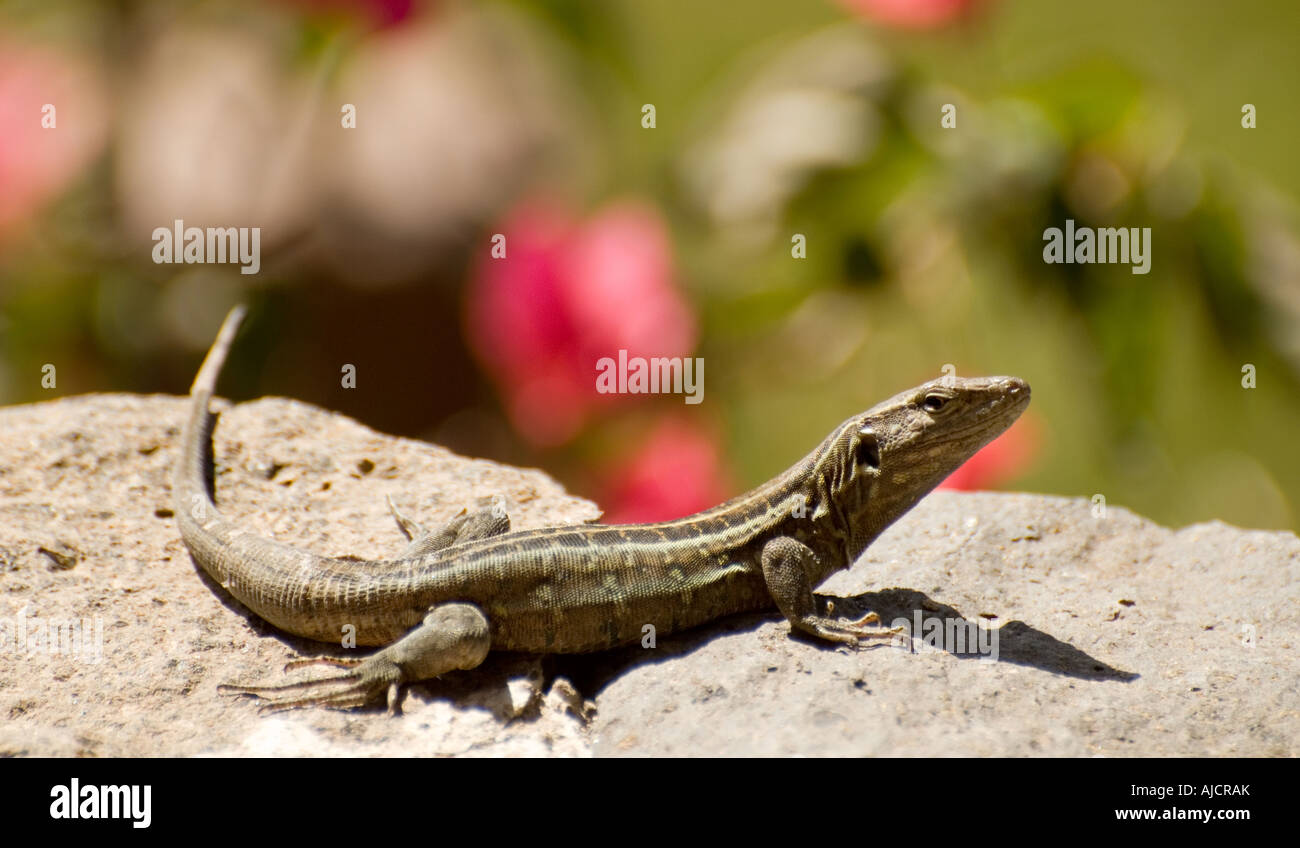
column 937, row 625
column 941, row 627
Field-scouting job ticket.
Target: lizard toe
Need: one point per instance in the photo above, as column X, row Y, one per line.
column 852, row 632
column 362, row 683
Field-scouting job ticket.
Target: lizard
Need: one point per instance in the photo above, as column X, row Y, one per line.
column 473, row 586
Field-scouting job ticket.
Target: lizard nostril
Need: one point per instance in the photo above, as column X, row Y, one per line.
column 1015, row 386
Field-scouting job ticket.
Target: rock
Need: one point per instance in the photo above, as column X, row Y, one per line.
column 89, row 478
column 1113, row 636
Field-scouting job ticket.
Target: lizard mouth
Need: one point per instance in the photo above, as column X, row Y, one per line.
column 1000, row 414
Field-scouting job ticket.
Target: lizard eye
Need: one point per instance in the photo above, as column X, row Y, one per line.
column 934, row 402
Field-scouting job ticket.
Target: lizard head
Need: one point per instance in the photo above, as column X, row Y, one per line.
column 877, row 465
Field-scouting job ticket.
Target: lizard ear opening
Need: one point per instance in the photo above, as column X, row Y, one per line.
column 868, row 449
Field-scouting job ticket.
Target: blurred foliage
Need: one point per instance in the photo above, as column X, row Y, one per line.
column 924, row 245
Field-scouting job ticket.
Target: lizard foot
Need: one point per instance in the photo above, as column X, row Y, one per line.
column 358, row 686
column 849, row 632
column 452, row 636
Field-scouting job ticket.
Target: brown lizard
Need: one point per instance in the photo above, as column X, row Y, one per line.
column 473, row 586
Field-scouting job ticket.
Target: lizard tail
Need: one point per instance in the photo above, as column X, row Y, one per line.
column 194, row 470
column 206, row 381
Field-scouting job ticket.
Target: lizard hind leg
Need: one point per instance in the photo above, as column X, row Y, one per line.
column 452, row 636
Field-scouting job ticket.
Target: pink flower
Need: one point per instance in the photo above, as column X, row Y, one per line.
column 39, row 86
column 380, row 12
column 677, row 471
column 911, row 14
column 568, row 293
column 1001, row 459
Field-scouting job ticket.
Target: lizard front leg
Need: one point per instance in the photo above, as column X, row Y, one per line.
column 787, row 566
column 452, row 636
column 465, row 527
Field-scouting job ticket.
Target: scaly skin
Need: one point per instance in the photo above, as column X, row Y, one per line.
column 472, row 586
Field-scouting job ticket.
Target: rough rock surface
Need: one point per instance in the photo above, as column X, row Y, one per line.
column 1114, row 636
